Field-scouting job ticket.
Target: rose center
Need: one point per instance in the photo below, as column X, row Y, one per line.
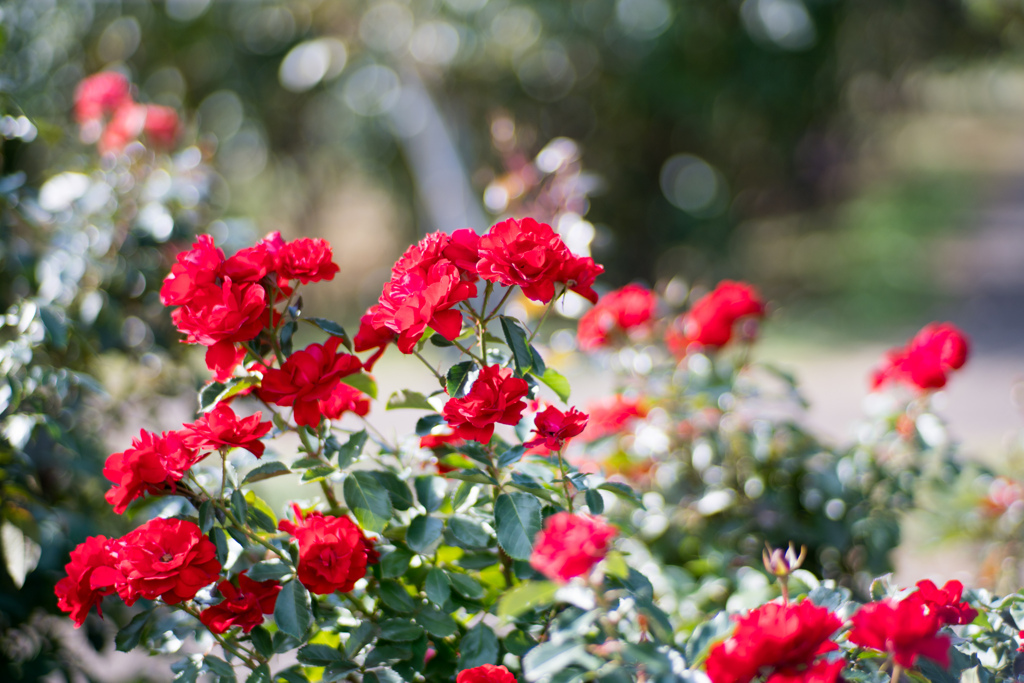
column 166, row 557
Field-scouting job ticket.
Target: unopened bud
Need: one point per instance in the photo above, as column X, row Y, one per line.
column 782, row 563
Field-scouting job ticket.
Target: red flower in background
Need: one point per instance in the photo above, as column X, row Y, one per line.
column 169, row 559
column 711, row 320
column 579, row 273
column 944, row 602
column 612, row 415
column 496, row 397
column 99, row 95
column 76, row 593
column 307, row 260
column 333, row 552
column 625, row 310
column 161, row 126
column 927, row 361
column 306, row 378
column 552, row 427
column 906, row 630
column 153, row 464
column 487, row 673
column 243, row 606
column 570, row 545
column 783, row 640
column 221, row 428
column 524, row 253
column 345, row 399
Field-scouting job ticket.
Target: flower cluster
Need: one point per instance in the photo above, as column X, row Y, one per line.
column 927, row 361
column 109, row 116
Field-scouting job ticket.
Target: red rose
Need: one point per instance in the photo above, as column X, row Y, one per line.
column 307, row 260
column 99, row 95
column 553, row 428
column 370, row 337
column 524, row 253
column 307, row 377
column 332, row 551
column 195, row 272
column 463, row 250
column 221, row 429
column 161, row 126
column 783, row 639
column 76, row 592
column 612, row 415
column 905, row 630
column 570, row 545
column 710, row 322
column 579, row 273
column 928, row 359
column 250, row 264
column 433, row 441
column 623, row 310
column 345, row 399
column 124, row 127
column 232, row 312
column 154, row 464
column 243, row 606
column 944, row 602
column 495, row 397
column 487, row 673
column 169, row 559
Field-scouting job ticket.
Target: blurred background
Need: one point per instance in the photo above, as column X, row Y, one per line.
column 860, row 161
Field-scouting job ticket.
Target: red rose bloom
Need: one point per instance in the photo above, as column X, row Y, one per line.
column 153, row 464
column 195, row 272
column 169, row 559
column 250, row 264
column 463, row 250
column 125, row 126
column 161, row 126
column 76, row 592
column 233, row 312
column 307, row 260
column 345, row 399
column 221, row 428
column 487, row 673
column 624, row 310
column 495, row 397
column 710, row 322
column 99, row 95
column 570, row 545
column 944, row 602
column 307, row 377
column 928, row 359
column 332, row 551
column 612, row 415
column 781, row 641
column 370, row 337
column 553, row 428
column 524, row 253
column 579, row 273
column 243, row 606
column 905, row 630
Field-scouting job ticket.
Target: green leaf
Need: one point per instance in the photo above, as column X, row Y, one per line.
column 437, row 586
column 215, row 392
column 466, row 585
column 268, row 570
column 515, row 337
column 292, row 613
column 400, row 630
column 319, row 655
column 624, row 492
column 556, row 382
column 363, row 382
column 511, row 456
column 398, row 490
column 519, row 643
column 360, row 637
column 424, row 532
column 219, row 666
column 404, row 398
column 206, row 516
column 384, row 675
column 551, row 657
column 134, row 632
column 220, row 541
column 187, row 670
column 396, row 597
column 430, row 491
column 266, row 470
column 468, row 534
column 458, row 378
column 478, row 647
column 461, row 494
column 368, row 500
column 439, row 341
column 594, row 501
column 517, row 520
column 350, row 451
column 426, row 424
column 292, row 674
column 262, row 641
column 260, row 674
column 239, row 506
column 539, row 367
column 318, row 473
column 334, row 329
column 526, row 596
column 436, row 622
column 395, row 563
column 21, row 551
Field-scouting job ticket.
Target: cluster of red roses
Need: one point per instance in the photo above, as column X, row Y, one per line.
column 927, row 361
column 108, row 115
column 791, row 642
column 430, row 280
